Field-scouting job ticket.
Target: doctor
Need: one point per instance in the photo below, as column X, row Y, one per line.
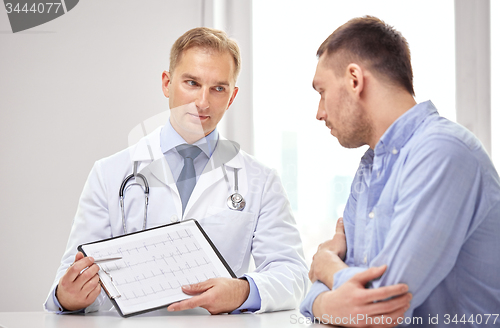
column 191, row 171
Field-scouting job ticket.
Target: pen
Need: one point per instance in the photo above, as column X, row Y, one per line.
column 106, row 259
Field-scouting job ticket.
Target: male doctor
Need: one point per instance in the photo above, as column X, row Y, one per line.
column 191, row 171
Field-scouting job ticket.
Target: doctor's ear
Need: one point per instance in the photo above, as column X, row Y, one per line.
column 235, row 92
column 165, row 82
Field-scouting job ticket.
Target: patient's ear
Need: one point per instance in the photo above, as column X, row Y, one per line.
column 356, row 78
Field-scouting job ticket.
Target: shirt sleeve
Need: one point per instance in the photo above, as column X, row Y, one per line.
column 56, row 305
column 430, row 219
column 306, row 307
column 252, row 302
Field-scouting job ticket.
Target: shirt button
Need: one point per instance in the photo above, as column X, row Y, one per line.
column 174, row 218
column 365, row 259
column 394, row 151
column 371, row 215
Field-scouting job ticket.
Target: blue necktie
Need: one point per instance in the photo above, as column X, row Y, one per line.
column 187, row 178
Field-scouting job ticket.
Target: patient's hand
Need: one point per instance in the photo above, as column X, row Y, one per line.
column 329, row 257
column 383, row 305
column 337, row 244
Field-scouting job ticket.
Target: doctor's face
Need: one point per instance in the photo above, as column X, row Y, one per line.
column 337, row 107
column 200, row 90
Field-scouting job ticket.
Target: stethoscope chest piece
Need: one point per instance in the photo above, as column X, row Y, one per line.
column 236, row 202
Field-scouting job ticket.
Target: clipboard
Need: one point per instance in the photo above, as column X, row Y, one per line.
column 154, row 264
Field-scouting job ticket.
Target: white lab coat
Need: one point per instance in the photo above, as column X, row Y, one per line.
column 265, row 229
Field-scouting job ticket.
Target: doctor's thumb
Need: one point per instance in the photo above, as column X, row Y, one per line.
column 79, row 256
column 195, row 288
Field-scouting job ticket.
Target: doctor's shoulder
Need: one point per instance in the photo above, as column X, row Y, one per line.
column 117, row 160
column 144, row 149
column 253, row 164
column 257, row 171
column 108, row 170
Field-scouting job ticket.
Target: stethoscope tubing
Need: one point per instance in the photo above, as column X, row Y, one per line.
column 235, row 201
column 146, row 198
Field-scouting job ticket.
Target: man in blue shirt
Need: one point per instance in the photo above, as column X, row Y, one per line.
column 424, row 207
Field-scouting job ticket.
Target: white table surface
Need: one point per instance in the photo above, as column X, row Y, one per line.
column 160, row 318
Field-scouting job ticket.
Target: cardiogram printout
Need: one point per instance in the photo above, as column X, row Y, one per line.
column 155, row 264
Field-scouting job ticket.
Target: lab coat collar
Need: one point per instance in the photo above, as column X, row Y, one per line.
column 148, row 152
column 169, row 139
column 151, row 160
column 147, row 149
column 155, row 167
column 226, row 153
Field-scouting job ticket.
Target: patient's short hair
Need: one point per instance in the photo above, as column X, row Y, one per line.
column 372, row 42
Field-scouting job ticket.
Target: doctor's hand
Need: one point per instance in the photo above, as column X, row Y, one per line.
column 76, row 289
column 216, row 295
column 329, row 257
column 353, row 300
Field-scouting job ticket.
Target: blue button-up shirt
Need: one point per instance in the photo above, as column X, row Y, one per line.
column 426, row 202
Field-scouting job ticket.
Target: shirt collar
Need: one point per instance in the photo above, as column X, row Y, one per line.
column 169, row 139
column 396, row 136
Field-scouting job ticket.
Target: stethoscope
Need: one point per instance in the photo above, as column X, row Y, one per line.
column 235, row 201
column 145, row 189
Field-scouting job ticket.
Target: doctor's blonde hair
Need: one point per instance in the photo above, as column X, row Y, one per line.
column 207, row 38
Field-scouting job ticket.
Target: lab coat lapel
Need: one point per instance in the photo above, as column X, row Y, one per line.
column 152, row 162
column 162, row 173
column 226, row 153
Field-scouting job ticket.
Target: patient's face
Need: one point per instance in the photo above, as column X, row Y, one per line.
column 338, row 108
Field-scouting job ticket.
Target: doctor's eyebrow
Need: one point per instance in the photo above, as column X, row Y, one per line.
column 189, row 77
column 224, row 83
column 194, row 78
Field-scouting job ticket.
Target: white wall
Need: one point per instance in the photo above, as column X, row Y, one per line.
column 70, row 92
column 473, row 68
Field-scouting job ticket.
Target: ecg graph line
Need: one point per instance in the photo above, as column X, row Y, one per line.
column 170, row 240
column 162, row 257
column 158, row 267
column 162, row 273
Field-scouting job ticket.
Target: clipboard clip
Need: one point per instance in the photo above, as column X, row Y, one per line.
column 118, row 295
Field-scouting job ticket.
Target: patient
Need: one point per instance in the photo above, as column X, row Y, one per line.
column 424, row 207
